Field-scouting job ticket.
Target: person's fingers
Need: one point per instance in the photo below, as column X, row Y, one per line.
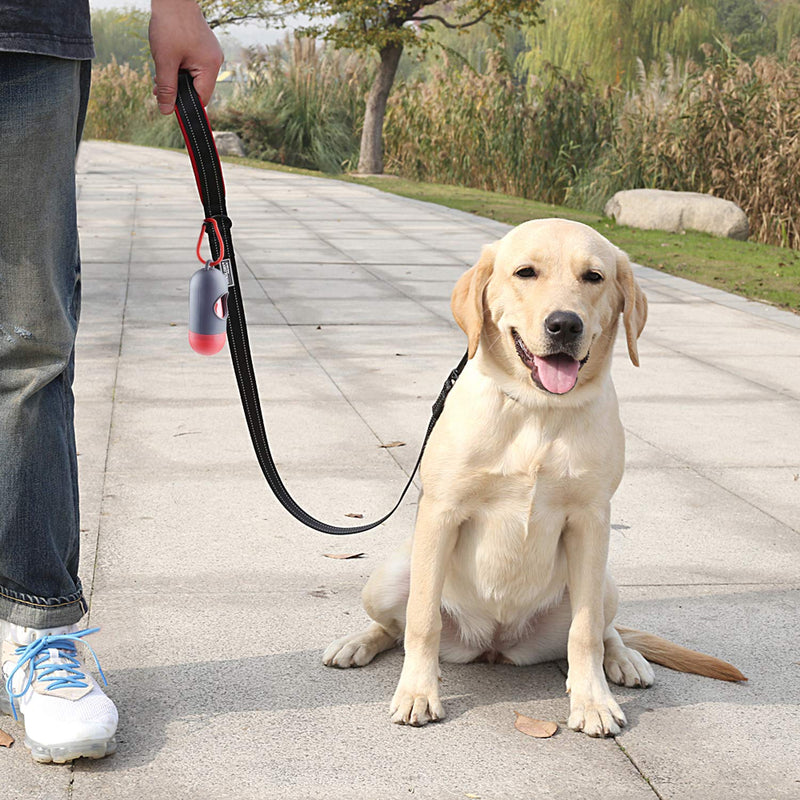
column 181, row 38
column 204, row 82
column 166, row 88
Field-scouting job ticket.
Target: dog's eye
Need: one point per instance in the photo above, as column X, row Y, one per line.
column 593, row 276
column 526, row 272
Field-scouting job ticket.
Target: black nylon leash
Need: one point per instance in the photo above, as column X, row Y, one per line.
column 211, row 187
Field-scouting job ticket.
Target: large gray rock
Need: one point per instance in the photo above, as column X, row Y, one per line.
column 656, row 209
column 229, row 143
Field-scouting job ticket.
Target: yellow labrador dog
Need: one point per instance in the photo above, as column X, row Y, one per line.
column 508, row 558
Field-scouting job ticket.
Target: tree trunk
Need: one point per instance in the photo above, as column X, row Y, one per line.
column 370, row 161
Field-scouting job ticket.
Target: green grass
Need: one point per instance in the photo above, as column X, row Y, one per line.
column 758, row 271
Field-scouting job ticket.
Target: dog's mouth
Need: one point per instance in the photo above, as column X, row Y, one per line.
column 556, row 373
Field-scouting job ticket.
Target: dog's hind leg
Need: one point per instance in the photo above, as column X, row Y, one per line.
column 385, row 597
column 623, row 665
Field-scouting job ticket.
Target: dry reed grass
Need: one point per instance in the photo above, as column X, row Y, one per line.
column 302, row 105
column 732, row 130
column 121, row 100
column 490, row 131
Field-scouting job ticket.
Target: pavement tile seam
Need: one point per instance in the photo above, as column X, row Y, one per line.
column 405, row 234
column 333, row 381
column 716, row 367
column 93, row 560
column 703, row 472
column 638, row 767
column 709, row 294
column 408, row 296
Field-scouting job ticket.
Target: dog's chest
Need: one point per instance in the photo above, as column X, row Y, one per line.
column 509, row 552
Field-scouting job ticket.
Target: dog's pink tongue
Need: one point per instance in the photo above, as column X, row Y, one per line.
column 558, row 374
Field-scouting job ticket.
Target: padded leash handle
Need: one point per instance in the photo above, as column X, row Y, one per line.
column 211, row 187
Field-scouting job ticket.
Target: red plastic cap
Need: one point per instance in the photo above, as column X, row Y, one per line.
column 207, row 343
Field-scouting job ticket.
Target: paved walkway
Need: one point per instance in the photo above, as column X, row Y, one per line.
column 215, row 606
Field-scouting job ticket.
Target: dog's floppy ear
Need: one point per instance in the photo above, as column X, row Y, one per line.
column 467, row 299
column 634, row 305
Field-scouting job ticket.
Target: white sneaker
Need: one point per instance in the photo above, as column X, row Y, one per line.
column 66, row 713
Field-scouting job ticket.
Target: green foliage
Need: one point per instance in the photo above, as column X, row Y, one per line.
column 787, row 24
column 474, row 46
column 746, row 28
column 607, row 37
column 301, row 106
column 739, row 16
column 121, row 36
column 366, row 24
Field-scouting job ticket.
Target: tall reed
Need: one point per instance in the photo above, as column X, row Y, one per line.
column 490, row 131
column 122, row 108
column 302, row 105
column 731, row 130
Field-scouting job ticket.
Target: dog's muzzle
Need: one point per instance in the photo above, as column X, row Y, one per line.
column 556, row 373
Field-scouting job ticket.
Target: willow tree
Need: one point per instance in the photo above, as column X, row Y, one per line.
column 787, row 23
column 387, row 28
column 607, row 37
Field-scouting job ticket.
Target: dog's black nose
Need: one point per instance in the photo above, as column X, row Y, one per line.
column 563, row 327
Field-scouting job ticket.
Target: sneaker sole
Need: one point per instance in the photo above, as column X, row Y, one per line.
column 61, row 753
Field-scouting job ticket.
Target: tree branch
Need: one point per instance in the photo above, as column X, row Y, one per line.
column 233, row 20
column 452, row 25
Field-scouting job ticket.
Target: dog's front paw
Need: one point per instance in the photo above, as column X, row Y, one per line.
column 627, row 667
column 596, row 717
column 355, row 650
column 415, row 707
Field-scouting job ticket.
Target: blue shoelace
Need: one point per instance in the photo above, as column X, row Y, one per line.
column 65, row 675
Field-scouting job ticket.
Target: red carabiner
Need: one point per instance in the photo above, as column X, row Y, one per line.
column 219, row 239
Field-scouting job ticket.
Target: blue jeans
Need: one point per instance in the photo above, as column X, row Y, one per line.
column 42, row 109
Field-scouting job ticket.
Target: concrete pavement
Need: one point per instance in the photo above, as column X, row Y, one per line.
column 215, row 606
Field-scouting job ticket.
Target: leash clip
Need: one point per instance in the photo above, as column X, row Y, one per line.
column 449, row 383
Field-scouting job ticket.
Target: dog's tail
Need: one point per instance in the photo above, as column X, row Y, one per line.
column 669, row 654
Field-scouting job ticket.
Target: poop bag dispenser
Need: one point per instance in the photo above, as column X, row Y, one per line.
column 208, row 310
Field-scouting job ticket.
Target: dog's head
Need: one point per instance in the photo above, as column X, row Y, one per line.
column 545, row 301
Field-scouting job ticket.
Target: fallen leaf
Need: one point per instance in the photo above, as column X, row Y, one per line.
column 355, row 516
column 6, row 739
column 537, row 728
column 343, row 556
column 393, row 444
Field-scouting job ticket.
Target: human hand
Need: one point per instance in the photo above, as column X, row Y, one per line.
column 181, row 39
